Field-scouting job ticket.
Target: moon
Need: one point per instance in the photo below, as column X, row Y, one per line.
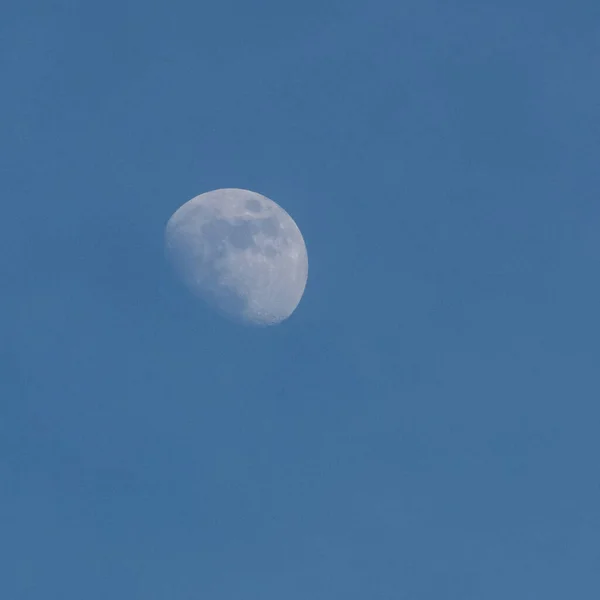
column 241, row 253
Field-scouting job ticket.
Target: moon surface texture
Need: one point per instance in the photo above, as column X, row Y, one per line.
column 241, row 253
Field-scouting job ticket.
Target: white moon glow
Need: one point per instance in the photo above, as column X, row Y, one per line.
column 241, row 253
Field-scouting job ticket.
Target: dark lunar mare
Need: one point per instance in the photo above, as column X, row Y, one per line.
column 239, row 232
column 253, row 205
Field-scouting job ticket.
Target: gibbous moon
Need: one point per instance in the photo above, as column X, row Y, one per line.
column 241, row 253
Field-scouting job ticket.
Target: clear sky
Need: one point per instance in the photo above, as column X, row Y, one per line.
column 425, row 426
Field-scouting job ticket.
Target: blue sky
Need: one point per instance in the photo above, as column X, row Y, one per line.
column 425, row 425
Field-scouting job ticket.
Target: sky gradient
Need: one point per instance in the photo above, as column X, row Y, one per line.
column 425, row 425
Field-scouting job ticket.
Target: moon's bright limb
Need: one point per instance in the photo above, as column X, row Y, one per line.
column 241, row 253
